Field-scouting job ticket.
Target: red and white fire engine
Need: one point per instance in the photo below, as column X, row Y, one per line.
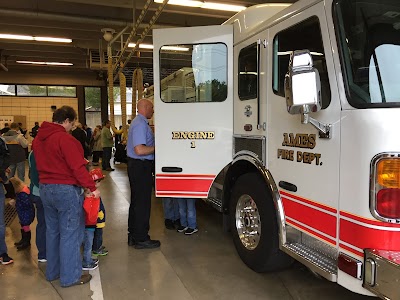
column 287, row 119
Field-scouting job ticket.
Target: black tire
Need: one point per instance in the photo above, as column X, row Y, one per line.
column 266, row 255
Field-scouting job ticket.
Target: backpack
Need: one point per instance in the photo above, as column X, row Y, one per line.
column 4, row 155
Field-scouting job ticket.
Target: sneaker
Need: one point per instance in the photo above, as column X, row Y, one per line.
column 5, row 259
column 90, row 267
column 190, row 231
column 182, row 228
column 42, row 260
column 101, row 252
column 95, row 261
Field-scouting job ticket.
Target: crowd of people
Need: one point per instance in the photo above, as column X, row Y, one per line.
column 61, row 184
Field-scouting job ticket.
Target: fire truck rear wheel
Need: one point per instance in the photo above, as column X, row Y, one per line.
column 254, row 225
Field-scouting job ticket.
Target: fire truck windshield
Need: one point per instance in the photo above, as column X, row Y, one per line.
column 369, row 40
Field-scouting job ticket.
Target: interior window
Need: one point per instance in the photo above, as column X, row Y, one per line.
column 305, row 35
column 248, row 77
column 198, row 73
column 369, row 40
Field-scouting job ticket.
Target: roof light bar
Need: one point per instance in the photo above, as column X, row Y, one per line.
column 44, row 63
column 34, row 38
column 205, row 4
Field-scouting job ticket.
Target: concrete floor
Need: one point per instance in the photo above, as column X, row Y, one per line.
column 202, row 266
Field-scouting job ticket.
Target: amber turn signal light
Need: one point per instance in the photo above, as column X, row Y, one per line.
column 388, row 173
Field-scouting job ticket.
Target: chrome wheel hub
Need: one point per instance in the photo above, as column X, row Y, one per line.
column 248, row 222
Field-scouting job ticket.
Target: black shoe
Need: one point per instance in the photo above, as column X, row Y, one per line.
column 26, row 241
column 169, row 224
column 110, row 169
column 149, row 244
column 5, row 259
column 131, row 240
column 177, row 223
column 21, row 240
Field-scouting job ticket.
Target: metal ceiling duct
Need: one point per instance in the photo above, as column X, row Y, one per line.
column 62, row 17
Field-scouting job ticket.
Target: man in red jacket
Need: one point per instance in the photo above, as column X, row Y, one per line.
column 62, row 175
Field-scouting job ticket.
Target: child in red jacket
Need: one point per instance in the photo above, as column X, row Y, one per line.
column 93, row 231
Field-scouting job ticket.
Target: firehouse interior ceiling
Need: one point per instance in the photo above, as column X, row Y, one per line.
column 85, row 22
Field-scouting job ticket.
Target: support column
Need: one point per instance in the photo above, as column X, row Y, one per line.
column 104, row 104
column 80, row 94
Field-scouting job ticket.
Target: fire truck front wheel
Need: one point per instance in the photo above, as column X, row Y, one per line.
column 254, row 225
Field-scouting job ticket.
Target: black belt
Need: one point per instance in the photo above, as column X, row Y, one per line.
column 143, row 160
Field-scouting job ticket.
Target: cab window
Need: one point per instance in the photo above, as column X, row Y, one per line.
column 305, row 35
column 248, row 77
column 369, row 42
column 194, row 73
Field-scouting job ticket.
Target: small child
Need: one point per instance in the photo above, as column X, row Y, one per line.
column 187, row 212
column 37, row 201
column 25, row 211
column 93, row 237
column 88, row 262
column 171, row 213
column 98, row 249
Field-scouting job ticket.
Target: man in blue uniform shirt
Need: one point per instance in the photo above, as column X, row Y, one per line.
column 140, row 151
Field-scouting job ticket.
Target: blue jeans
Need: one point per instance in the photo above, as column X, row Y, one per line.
column 40, row 227
column 98, row 239
column 171, row 209
column 87, row 247
column 20, row 168
column 65, row 226
column 105, row 163
column 187, row 211
column 3, row 246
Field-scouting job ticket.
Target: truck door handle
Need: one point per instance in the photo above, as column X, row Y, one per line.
column 288, row 186
column 171, row 169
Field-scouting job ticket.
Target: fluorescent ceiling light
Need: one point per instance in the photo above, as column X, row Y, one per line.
column 16, row 37
column 44, row 63
column 34, row 38
column 170, row 48
column 174, row 48
column 204, row 4
column 142, row 46
column 182, row 2
column 220, row 6
column 51, row 39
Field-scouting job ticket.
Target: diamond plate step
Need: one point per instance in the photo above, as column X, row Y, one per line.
column 316, row 261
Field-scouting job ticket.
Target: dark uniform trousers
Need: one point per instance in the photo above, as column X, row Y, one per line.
column 141, row 182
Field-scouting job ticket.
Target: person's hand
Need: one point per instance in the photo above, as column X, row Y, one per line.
column 12, row 202
column 87, row 192
column 8, row 171
column 96, row 193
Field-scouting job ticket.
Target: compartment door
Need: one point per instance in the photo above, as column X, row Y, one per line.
column 193, row 101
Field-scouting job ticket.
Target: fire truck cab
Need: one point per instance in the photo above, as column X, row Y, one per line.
column 286, row 118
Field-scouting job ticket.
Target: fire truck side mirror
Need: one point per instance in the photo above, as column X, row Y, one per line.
column 302, row 84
